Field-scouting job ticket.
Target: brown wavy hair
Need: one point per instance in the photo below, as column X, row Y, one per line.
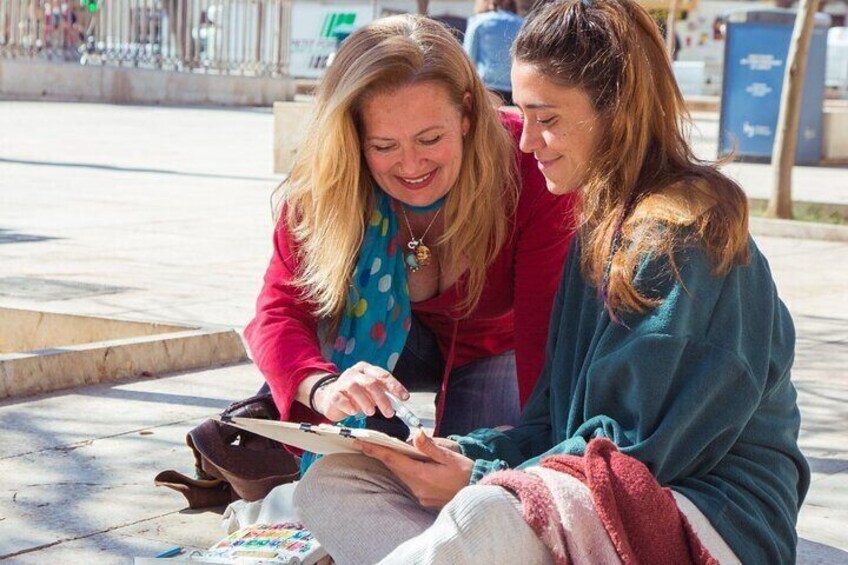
column 329, row 194
column 645, row 191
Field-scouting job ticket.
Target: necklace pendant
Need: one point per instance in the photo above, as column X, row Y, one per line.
column 422, row 255
column 411, row 262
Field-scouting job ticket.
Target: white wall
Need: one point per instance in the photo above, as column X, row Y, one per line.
column 37, row 80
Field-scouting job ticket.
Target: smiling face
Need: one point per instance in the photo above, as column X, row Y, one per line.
column 561, row 127
column 412, row 141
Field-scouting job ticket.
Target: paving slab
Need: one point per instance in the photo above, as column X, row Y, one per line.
column 812, row 553
column 824, row 515
column 142, row 539
column 79, row 465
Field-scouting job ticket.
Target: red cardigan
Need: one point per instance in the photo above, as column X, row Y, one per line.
column 513, row 312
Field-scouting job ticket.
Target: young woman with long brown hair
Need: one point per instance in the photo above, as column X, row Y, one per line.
column 664, row 426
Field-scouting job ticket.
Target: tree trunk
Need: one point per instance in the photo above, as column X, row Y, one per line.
column 669, row 28
column 422, row 6
column 786, row 137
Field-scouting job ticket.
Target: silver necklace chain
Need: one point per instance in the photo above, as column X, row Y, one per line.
column 415, row 242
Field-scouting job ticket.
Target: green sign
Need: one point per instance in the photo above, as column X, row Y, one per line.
column 334, row 20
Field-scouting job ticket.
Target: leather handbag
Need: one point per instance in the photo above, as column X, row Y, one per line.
column 230, row 463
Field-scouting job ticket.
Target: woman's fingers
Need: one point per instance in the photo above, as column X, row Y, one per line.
column 378, row 394
column 446, row 443
column 376, row 388
column 387, row 380
column 434, row 483
column 406, row 468
column 366, row 385
column 428, row 447
column 361, row 388
column 361, row 397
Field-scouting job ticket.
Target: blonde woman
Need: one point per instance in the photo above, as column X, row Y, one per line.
column 664, row 427
column 416, row 250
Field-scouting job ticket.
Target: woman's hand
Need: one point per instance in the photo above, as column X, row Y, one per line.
column 434, row 483
column 361, row 388
column 446, row 443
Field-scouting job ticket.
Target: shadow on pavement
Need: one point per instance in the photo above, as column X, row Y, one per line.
column 812, row 553
column 134, row 170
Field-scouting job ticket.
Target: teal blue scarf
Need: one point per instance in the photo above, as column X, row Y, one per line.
column 377, row 315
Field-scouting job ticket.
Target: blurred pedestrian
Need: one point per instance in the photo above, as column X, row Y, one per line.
column 488, row 40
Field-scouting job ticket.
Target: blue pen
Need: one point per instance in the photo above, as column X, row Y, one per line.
column 170, row 553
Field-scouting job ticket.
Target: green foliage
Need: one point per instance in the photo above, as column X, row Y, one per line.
column 820, row 212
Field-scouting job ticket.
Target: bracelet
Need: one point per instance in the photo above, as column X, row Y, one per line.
column 321, row 383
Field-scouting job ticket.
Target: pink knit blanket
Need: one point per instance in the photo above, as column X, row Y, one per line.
column 640, row 518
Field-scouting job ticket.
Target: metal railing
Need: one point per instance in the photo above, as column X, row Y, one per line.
column 244, row 37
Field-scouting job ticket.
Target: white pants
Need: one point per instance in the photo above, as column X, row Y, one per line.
column 362, row 514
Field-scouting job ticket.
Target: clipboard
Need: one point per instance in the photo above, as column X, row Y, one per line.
column 322, row 438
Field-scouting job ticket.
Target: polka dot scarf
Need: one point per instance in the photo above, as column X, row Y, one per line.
column 377, row 315
column 376, row 319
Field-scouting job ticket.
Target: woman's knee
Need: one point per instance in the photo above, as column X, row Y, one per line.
column 475, row 501
column 339, row 477
column 484, row 524
column 327, row 475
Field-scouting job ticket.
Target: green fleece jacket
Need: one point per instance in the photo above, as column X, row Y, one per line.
column 697, row 388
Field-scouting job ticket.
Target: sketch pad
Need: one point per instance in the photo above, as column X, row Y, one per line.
column 322, row 438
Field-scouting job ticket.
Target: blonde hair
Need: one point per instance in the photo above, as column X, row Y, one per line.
column 329, row 194
column 645, row 188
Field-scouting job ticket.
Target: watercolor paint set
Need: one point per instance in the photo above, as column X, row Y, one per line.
column 285, row 543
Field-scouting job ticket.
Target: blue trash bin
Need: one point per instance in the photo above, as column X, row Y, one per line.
column 755, row 60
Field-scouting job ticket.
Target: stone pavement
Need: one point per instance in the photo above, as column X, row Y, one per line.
column 164, row 214
column 813, row 184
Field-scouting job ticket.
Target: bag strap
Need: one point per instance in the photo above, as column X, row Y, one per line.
column 258, row 406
